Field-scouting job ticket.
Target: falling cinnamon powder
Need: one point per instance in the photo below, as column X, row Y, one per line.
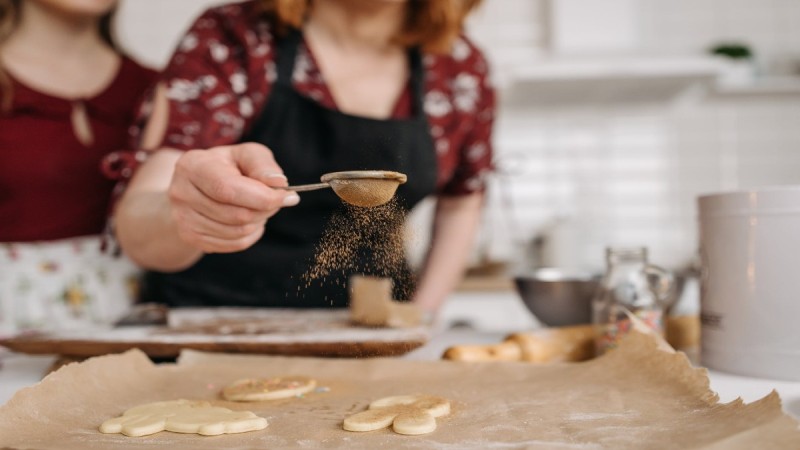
column 355, row 234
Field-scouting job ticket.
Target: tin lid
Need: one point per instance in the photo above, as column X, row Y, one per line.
column 762, row 201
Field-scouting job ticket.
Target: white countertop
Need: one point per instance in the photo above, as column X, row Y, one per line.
column 19, row 371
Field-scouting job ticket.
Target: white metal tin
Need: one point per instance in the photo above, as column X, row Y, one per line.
column 750, row 294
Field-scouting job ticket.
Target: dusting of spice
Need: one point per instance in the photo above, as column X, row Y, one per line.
column 264, row 385
column 258, row 389
column 355, row 235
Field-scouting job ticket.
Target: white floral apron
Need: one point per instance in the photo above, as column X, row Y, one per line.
column 62, row 285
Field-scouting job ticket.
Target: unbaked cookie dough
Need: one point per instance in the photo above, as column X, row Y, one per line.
column 183, row 416
column 259, row 389
column 407, row 414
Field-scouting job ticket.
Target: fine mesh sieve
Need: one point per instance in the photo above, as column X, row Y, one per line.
column 365, row 188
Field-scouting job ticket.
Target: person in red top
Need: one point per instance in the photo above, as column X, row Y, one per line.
column 271, row 90
column 67, row 99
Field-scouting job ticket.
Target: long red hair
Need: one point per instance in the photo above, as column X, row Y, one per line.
column 431, row 24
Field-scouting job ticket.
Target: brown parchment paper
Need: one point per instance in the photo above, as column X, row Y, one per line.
column 635, row 397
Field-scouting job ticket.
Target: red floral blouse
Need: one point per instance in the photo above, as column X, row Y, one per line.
column 222, row 72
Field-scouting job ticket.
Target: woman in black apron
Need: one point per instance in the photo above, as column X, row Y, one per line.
column 307, row 140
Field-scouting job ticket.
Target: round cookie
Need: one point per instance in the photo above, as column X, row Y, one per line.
column 260, row 389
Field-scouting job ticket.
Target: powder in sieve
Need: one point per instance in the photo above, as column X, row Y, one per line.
column 367, row 192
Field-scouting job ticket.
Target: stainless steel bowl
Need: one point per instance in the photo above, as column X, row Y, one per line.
column 558, row 298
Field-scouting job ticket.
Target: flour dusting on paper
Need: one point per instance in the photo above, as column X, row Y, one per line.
column 631, row 398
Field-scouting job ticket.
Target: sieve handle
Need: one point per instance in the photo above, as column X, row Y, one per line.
column 306, row 187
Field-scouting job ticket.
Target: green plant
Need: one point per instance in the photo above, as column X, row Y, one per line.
column 732, row 50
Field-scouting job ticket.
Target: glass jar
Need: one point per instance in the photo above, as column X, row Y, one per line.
column 630, row 285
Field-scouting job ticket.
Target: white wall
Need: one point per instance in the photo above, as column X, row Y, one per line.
column 592, row 174
column 769, row 26
column 149, row 29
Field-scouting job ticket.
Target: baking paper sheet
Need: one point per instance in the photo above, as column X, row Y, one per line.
column 635, row 397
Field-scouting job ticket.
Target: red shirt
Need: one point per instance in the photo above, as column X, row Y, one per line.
column 51, row 185
column 221, row 74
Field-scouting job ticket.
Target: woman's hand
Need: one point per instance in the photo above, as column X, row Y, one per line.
column 220, row 199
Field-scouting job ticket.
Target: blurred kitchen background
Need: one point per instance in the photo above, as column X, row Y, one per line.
column 614, row 116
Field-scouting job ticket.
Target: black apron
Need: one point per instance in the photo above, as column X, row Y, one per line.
column 308, row 140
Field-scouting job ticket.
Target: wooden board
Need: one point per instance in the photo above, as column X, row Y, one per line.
column 232, row 330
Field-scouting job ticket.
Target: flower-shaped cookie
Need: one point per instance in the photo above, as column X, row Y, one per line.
column 407, row 414
column 183, row 416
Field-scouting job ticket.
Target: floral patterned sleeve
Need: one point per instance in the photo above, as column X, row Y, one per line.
column 474, row 103
column 218, row 77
